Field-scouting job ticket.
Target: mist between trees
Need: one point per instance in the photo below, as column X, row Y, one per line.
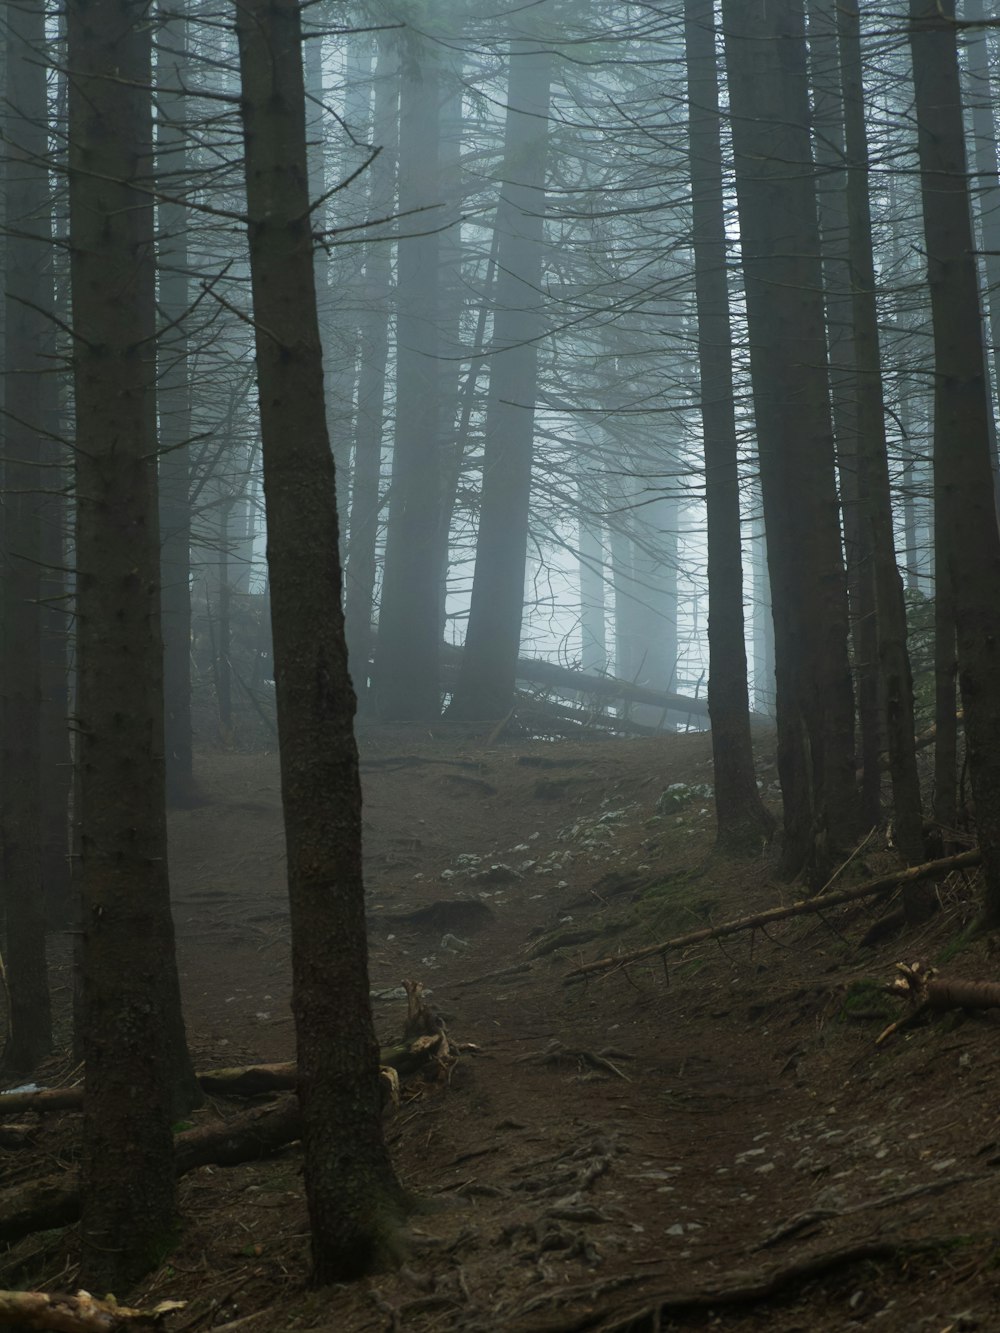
column 657, row 342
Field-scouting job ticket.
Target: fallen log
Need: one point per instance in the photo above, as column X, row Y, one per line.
column 54, row 1201
column 239, row 1081
column 870, row 889
column 609, row 688
column 926, row 990
column 81, row 1313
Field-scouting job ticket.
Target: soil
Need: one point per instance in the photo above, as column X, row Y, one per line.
column 710, row 1141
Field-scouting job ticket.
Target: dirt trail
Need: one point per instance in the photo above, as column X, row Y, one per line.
column 646, row 1135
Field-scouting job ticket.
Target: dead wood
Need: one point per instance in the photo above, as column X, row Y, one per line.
column 239, row 1081
column 53, row 1201
column 921, row 986
column 870, row 889
column 81, row 1313
column 48, row 1099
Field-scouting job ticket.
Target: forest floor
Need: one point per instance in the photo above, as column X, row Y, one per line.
column 718, row 1143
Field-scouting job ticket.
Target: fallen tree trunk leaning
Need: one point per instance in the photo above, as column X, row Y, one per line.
column 870, row 889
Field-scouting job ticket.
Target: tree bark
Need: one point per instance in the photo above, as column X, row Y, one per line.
column 354, row 1199
column 405, row 679
column 137, row 1072
column 359, row 583
column 485, row 688
column 740, row 814
column 963, row 476
column 28, row 404
column 765, row 60
column 174, row 403
column 875, row 499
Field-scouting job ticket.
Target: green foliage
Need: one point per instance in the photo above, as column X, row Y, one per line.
column 868, row 998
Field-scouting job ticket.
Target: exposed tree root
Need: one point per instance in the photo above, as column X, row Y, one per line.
column 870, row 889
column 748, row 1290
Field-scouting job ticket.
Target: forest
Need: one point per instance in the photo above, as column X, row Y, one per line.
column 500, row 659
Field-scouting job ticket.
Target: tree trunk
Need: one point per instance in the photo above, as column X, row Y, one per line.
column 405, row 682
column 963, row 477
column 28, row 403
column 174, row 403
column 765, row 60
column 359, row 585
column 894, row 679
column 740, row 814
column 137, row 1072
column 354, row 1199
column 485, row 688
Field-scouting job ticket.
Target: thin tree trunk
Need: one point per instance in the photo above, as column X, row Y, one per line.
column 963, row 477
column 359, row 585
column 406, row 677
column 354, row 1199
column 29, row 390
column 174, row 403
column 485, row 687
column 740, row 814
column 137, row 1072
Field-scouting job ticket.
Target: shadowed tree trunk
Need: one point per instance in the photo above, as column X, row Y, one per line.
column 765, row 61
column 138, row 1077
column 740, row 814
column 406, row 676
column 29, row 390
column 354, row 1199
column 874, row 494
column 485, row 687
column 969, row 559
column 174, row 403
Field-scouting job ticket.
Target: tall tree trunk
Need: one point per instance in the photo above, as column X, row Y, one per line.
column 831, row 198
column 963, row 479
column 874, row 494
column 137, row 1074
column 359, row 583
column 984, row 129
column 485, row 687
column 765, row 61
column 740, row 815
column 354, row 1199
column 174, row 403
column 29, row 389
column 406, row 677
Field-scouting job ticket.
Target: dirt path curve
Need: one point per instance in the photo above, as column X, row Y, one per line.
column 611, row 1143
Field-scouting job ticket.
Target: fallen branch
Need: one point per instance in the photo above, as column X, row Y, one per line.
column 870, row 889
column 76, row 1314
